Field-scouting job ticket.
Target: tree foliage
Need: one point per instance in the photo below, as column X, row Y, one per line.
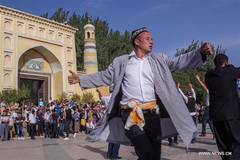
column 11, row 96
column 23, row 94
column 76, row 98
column 110, row 44
column 87, row 98
column 62, row 97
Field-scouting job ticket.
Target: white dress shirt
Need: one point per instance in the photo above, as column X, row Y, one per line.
column 138, row 80
column 32, row 118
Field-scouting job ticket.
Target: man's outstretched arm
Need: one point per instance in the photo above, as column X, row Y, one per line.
column 189, row 60
column 93, row 80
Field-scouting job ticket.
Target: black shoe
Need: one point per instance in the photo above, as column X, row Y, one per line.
column 193, row 141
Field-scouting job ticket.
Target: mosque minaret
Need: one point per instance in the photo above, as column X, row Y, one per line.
column 90, row 53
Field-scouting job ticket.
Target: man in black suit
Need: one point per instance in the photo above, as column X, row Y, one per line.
column 224, row 106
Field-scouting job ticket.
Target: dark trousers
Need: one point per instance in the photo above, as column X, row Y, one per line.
column 54, row 130
column 32, row 130
column 194, row 119
column 113, row 149
column 15, row 128
column 82, row 128
column 171, row 140
column 40, row 128
column 19, row 131
column 4, row 131
column 146, row 142
column 47, row 129
column 61, row 129
column 206, row 120
column 67, row 127
column 227, row 135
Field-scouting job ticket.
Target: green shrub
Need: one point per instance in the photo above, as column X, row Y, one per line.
column 23, row 94
column 9, row 96
column 87, row 98
column 76, row 98
column 62, row 97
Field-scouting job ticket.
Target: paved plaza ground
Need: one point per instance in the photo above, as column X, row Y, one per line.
column 79, row 149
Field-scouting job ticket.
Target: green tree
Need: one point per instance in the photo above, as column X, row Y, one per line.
column 110, row 44
column 62, row 97
column 78, row 22
column 9, row 96
column 60, row 15
column 44, row 15
column 23, row 94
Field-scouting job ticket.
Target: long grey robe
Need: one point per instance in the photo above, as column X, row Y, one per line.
column 112, row 129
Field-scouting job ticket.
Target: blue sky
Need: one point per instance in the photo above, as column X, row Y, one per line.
column 173, row 23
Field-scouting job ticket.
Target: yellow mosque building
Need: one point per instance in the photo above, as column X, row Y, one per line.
column 39, row 52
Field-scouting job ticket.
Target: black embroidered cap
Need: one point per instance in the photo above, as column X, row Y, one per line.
column 136, row 32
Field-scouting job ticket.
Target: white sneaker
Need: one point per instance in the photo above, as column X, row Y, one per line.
column 74, row 135
column 22, row 138
column 66, row 138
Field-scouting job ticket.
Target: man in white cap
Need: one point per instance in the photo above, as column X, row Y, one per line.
column 143, row 82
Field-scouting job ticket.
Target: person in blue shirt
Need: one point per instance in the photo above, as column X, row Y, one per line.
column 58, row 109
column 40, row 103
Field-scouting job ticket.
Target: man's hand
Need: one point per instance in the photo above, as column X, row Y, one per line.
column 132, row 103
column 190, row 85
column 206, row 49
column 178, row 85
column 197, row 77
column 73, row 78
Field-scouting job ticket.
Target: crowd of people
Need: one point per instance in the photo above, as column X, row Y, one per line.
column 49, row 120
column 198, row 112
column 58, row 119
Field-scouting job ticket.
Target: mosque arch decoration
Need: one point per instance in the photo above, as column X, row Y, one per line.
column 37, row 49
column 41, row 71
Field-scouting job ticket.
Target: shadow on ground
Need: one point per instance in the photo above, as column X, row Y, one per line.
column 94, row 149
